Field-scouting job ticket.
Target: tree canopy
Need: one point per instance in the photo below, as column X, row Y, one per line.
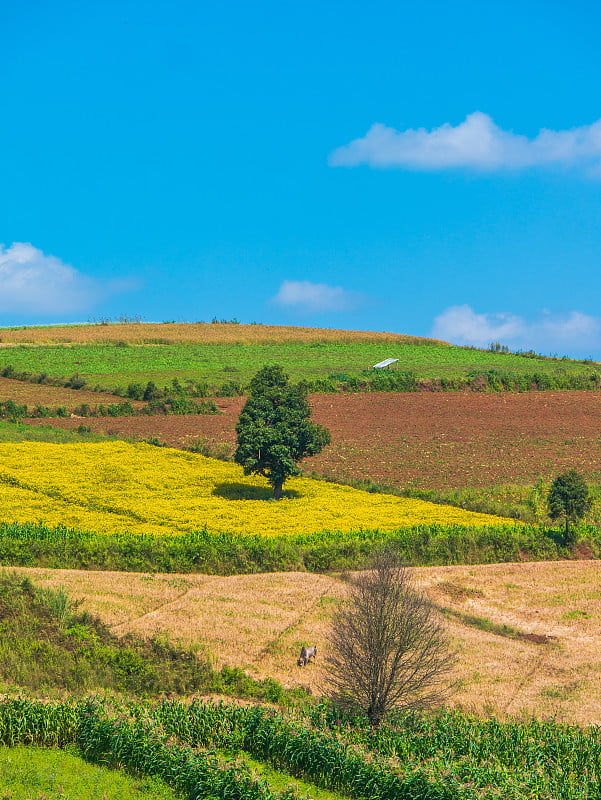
column 569, row 497
column 274, row 428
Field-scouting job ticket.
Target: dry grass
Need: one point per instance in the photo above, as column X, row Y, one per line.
column 548, row 665
column 197, row 332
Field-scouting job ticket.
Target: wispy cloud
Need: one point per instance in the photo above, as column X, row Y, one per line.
column 476, row 143
column 306, row 296
column 548, row 333
column 32, row 282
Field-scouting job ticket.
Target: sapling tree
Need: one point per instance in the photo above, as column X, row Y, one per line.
column 569, row 497
column 387, row 648
column 274, row 429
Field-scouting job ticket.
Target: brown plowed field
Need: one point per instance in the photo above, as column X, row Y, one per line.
column 430, row 440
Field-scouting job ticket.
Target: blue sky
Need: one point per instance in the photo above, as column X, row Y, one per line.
column 430, row 168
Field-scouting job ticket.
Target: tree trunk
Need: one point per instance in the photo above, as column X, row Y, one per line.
column 374, row 717
column 277, row 490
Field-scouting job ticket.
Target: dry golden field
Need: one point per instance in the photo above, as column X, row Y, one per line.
column 192, row 332
column 549, row 666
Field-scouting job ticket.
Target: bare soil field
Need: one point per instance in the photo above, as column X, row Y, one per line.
column 548, row 665
column 190, row 332
column 424, row 439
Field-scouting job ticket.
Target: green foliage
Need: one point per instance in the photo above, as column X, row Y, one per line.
column 569, row 497
column 35, row 544
column 280, row 780
column 448, row 756
column 11, row 432
column 132, row 742
column 274, row 430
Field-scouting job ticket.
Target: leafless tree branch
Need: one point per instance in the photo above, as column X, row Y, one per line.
column 387, row 647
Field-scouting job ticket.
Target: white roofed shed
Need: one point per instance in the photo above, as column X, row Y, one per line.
column 386, row 363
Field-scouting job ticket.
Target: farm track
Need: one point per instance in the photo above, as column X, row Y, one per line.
column 436, row 440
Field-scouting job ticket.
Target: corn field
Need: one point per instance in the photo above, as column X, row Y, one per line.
column 193, row 748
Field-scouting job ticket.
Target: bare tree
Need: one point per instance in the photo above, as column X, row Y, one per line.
column 387, row 648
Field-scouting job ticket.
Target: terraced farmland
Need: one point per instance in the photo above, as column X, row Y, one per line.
column 526, row 633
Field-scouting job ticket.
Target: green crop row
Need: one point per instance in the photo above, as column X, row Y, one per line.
column 520, row 759
column 339, row 364
column 36, row 544
column 131, row 744
column 449, row 755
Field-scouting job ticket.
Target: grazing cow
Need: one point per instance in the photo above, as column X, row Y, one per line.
column 306, row 654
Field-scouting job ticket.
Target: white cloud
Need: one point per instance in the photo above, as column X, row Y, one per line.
column 549, row 333
column 476, row 143
column 32, row 282
column 307, row 296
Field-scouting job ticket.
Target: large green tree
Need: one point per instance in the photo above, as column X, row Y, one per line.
column 274, row 428
column 569, row 497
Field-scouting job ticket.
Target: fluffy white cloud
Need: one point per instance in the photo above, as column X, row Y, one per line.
column 32, row 282
column 549, row 333
column 476, row 143
column 307, row 296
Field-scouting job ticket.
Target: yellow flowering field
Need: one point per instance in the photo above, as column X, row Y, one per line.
column 112, row 487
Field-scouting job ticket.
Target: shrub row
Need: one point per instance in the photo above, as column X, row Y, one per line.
column 491, row 380
column 178, row 405
column 176, row 399
column 35, row 544
column 75, row 381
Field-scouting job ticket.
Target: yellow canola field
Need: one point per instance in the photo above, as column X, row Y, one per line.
column 115, row 487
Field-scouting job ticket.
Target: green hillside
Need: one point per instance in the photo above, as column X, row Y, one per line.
column 216, row 364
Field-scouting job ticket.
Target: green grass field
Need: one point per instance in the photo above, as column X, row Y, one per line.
column 36, row 772
column 113, row 365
